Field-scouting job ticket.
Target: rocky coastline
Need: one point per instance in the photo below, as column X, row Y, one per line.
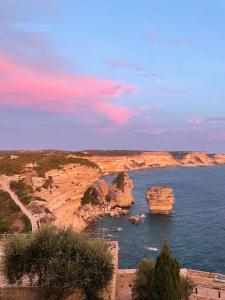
column 58, row 192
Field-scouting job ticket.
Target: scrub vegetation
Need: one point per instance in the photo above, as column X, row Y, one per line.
column 41, row 161
column 11, row 218
column 23, row 191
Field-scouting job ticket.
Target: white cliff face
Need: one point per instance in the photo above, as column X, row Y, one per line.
column 160, row 199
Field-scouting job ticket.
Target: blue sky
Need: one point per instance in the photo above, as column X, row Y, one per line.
column 112, row 75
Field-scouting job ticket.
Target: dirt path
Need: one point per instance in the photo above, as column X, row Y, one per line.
column 35, row 222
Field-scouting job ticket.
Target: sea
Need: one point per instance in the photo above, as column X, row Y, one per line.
column 195, row 231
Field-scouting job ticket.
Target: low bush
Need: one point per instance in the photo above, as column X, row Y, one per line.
column 142, row 288
column 39, row 199
column 48, row 183
column 5, row 197
column 5, row 224
column 7, row 201
column 14, row 207
column 27, row 224
column 59, row 261
column 187, row 287
column 26, row 199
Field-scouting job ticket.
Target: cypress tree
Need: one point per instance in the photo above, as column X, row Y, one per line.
column 166, row 282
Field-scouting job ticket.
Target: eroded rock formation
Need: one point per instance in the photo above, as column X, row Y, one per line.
column 102, row 199
column 160, row 199
column 120, row 191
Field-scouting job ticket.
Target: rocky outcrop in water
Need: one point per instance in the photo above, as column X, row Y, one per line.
column 102, row 199
column 160, row 199
column 136, row 219
column 120, row 191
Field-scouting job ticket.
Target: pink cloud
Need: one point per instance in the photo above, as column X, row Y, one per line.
column 219, row 136
column 210, row 120
column 27, row 86
column 196, row 121
column 147, row 107
column 152, row 131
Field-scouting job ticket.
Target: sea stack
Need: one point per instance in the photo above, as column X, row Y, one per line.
column 160, row 199
column 120, row 190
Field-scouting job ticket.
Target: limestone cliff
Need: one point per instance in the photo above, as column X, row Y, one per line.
column 101, row 199
column 198, row 158
column 160, row 199
column 59, row 185
column 63, row 190
column 111, row 164
column 145, row 160
column 120, row 191
column 219, row 158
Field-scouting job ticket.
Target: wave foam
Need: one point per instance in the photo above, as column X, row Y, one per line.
column 152, row 249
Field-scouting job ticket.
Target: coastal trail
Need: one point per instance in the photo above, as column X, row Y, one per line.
column 35, row 220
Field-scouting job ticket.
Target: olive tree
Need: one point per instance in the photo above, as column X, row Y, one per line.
column 58, row 261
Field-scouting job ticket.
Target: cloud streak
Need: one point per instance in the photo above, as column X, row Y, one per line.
column 154, row 37
column 212, row 120
column 30, row 87
column 137, row 68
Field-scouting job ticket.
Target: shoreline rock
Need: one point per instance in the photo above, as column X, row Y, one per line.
column 160, row 199
column 102, row 199
column 136, row 219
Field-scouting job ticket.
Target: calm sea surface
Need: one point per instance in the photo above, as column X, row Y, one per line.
column 196, row 228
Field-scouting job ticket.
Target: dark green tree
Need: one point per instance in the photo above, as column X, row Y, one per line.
column 166, row 282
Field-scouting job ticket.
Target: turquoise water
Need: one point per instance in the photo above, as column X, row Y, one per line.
column 196, row 228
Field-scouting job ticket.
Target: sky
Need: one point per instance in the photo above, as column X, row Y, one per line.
column 120, row 74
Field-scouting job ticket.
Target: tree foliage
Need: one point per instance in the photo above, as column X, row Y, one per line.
column 161, row 280
column 166, row 283
column 187, row 287
column 59, row 261
column 142, row 288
